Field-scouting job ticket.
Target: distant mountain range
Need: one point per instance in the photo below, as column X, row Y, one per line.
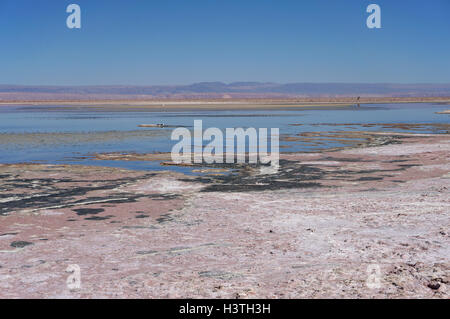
column 223, row 90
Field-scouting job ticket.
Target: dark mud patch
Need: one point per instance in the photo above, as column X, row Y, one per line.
column 164, row 196
column 45, row 193
column 20, row 244
column 342, row 159
column 249, row 188
column 248, row 178
column 165, row 218
column 294, row 174
column 369, row 178
column 97, row 218
column 22, row 194
column 409, row 165
column 396, row 161
column 142, row 216
column 88, row 211
column 8, row 234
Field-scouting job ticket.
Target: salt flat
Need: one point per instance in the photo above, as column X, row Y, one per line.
column 314, row 229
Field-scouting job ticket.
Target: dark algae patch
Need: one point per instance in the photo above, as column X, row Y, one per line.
column 8, row 234
column 20, row 244
column 99, row 217
column 142, row 216
column 294, row 174
column 290, row 175
column 88, row 211
column 164, row 218
column 18, row 193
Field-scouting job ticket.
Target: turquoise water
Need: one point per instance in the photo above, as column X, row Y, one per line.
column 33, row 134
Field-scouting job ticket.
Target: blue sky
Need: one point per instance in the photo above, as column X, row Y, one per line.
column 146, row 42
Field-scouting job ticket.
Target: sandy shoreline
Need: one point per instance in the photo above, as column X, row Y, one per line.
column 312, row 230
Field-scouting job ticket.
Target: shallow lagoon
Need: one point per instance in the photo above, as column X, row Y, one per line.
column 68, row 135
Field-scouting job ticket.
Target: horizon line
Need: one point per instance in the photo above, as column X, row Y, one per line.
column 225, row 83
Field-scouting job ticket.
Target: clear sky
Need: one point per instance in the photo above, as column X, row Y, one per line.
column 146, row 42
